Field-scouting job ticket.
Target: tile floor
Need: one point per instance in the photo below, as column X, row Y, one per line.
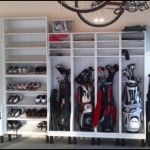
column 40, row 143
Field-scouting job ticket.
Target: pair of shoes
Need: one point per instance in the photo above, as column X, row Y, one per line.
column 42, row 125
column 34, row 86
column 14, row 125
column 32, row 113
column 18, row 70
column 17, row 86
column 40, row 70
column 41, row 99
column 15, row 112
column 24, row 86
column 14, row 99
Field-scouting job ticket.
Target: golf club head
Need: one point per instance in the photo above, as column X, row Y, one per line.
column 126, row 74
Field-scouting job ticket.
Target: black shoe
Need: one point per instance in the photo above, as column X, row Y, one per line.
column 17, row 125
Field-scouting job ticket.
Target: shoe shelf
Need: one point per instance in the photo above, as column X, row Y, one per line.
column 29, row 128
column 40, row 90
column 30, row 75
column 26, row 59
column 24, row 118
column 30, row 31
column 27, row 102
column 26, row 47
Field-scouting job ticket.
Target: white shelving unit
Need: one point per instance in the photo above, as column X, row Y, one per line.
column 25, row 44
column 25, row 41
column 98, row 49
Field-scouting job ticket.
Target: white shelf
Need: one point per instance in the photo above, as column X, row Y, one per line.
column 134, row 48
column 134, row 56
column 28, row 92
column 27, row 59
column 83, row 42
column 108, row 56
column 24, row 118
column 79, row 49
column 84, row 56
column 26, row 76
column 29, row 33
column 21, row 31
column 59, row 57
column 30, row 128
column 117, row 48
column 109, row 41
column 23, row 132
column 40, row 90
column 25, row 48
column 59, row 33
column 132, row 40
column 59, row 42
column 26, row 45
column 27, row 102
column 59, row 49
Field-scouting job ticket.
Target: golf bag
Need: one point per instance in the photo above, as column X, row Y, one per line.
column 132, row 105
column 60, row 102
column 148, row 112
column 105, row 111
column 85, row 99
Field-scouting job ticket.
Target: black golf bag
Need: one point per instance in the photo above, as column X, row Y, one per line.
column 148, row 114
column 60, row 102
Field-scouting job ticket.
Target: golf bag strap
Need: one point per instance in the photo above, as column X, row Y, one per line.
column 98, row 110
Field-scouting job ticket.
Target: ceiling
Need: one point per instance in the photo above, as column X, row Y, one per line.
column 53, row 10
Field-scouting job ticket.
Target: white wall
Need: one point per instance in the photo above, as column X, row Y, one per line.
column 53, row 10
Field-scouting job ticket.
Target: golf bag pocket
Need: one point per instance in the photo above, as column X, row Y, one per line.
column 132, row 119
column 108, row 120
column 84, row 108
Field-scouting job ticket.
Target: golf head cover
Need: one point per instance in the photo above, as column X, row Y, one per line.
column 85, row 77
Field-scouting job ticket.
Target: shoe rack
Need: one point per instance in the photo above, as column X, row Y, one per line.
column 25, row 45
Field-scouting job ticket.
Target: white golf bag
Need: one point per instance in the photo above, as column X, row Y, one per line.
column 132, row 107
